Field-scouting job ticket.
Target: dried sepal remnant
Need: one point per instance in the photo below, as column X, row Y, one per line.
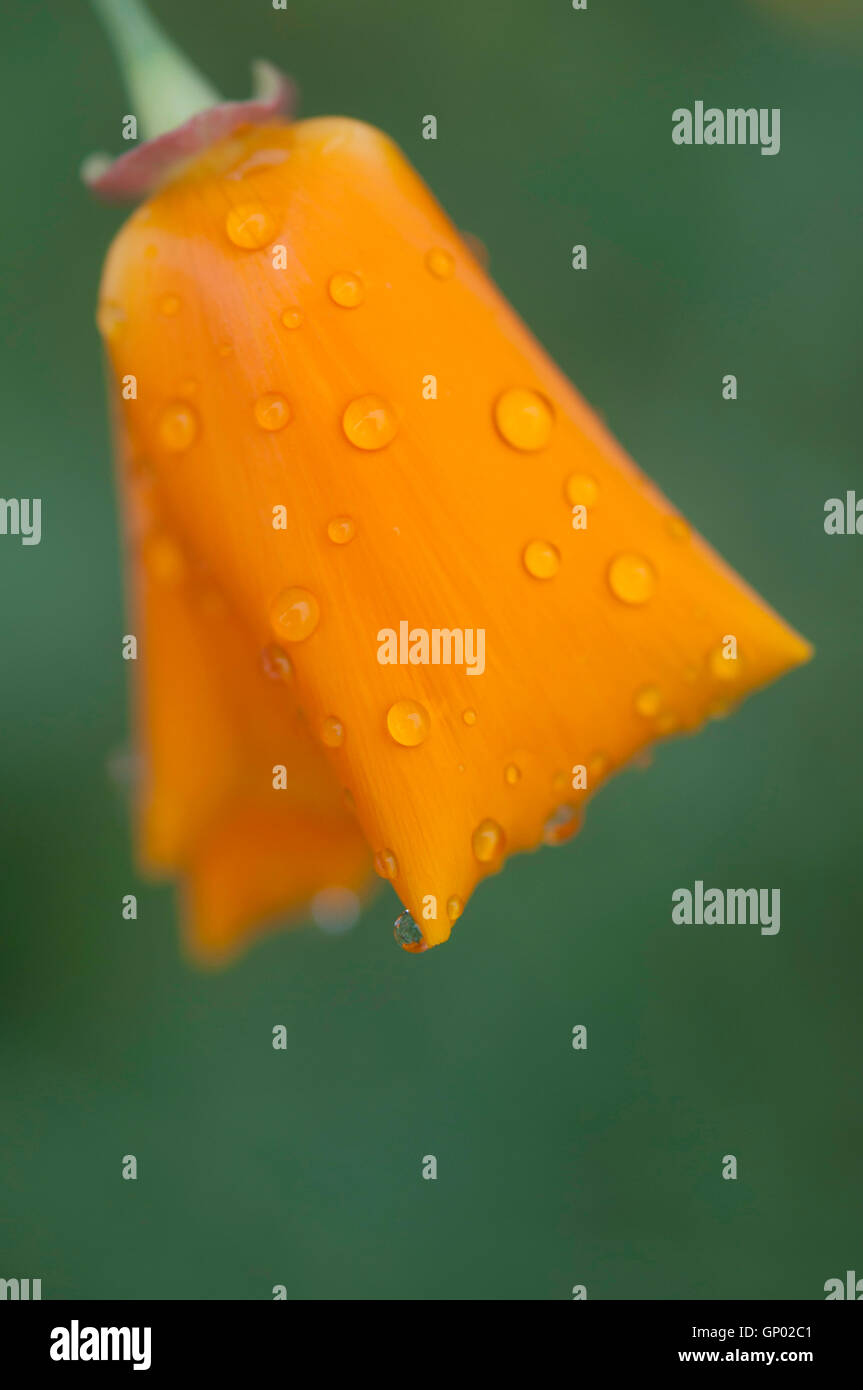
column 318, row 286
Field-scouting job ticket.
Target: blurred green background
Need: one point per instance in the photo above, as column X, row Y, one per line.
column 556, row 1167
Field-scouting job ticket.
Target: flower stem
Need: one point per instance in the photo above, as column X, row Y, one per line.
column 164, row 86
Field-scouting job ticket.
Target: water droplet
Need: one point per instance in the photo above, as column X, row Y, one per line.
column 164, row 559
column 294, row 614
column 169, row 305
column 561, row 825
column 440, row 263
column 386, row 864
column 541, row 559
column 454, row 907
column 724, row 668
column 581, row 489
column 272, row 411
column 408, row 722
column 346, row 289
column 631, row 578
column 292, row 318
column 370, row 422
column 512, row 774
column 276, row 664
column 178, row 427
column 488, row 841
column 341, row 530
column 110, row 318
column 524, row 418
column 250, row 226
column 408, row 934
column 469, row 716
column 678, row 528
column 647, row 701
column 332, row 732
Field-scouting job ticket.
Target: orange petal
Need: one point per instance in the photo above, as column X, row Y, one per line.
column 496, row 503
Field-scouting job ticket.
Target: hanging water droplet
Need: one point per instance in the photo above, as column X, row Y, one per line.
column 408, row 723
column 250, row 226
column 178, row 427
column 272, row 411
column 524, row 418
column 294, row 614
column 631, row 578
column 407, row 933
column 370, row 422
column 341, row 530
column 386, row 864
column 488, row 841
column 440, row 263
column 346, row 289
column 541, row 559
column 561, row 825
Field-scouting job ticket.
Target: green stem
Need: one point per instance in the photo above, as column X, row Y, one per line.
column 164, row 86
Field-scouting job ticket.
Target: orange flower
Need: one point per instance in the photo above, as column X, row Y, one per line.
column 344, row 446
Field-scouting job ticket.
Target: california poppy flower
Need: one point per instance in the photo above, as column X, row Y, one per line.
column 341, row 448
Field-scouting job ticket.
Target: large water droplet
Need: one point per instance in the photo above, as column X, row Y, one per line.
column 386, row 864
column 408, row 934
column 178, row 427
column 488, row 841
column 408, row 723
column 524, row 418
column 541, row 559
column 631, row 578
column 346, row 289
column 294, row 614
column 250, row 226
column 272, row 411
column 370, row 422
